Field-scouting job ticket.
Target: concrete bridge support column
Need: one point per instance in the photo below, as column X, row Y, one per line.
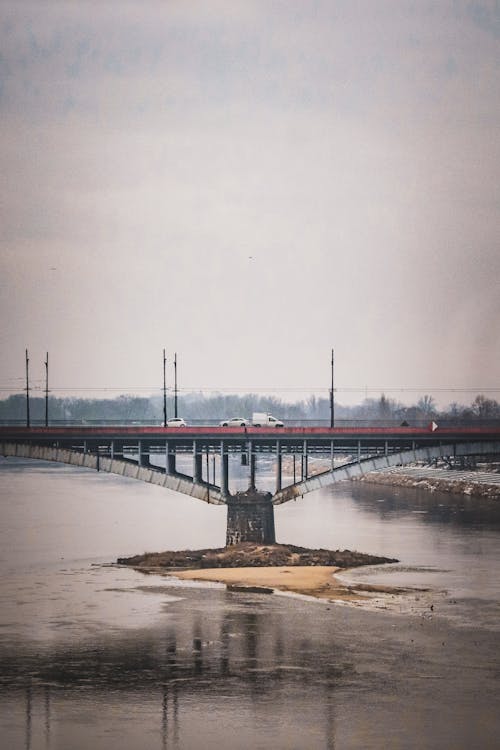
column 305, row 468
column 278, row 466
column 224, row 470
column 143, row 454
column 252, row 460
column 250, row 518
column 169, row 460
column 197, row 464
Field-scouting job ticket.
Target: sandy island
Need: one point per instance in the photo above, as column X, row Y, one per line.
column 265, row 568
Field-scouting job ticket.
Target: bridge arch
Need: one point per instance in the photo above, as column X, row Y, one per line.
column 358, row 468
column 122, row 467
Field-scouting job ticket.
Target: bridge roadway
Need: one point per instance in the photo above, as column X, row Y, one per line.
column 355, row 443
column 262, row 438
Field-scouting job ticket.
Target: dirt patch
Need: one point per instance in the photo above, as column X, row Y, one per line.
column 250, row 555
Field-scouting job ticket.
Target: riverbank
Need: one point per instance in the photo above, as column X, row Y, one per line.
column 438, row 480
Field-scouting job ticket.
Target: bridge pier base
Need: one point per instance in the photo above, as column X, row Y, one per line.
column 250, row 518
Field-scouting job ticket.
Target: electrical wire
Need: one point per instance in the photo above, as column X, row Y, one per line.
column 259, row 389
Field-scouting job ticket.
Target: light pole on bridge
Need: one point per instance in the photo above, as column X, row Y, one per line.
column 175, row 385
column 332, row 400
column 27, row 391
column 164, row 390
column 47, row 390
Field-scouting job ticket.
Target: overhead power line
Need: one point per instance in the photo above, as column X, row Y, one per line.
column 260, row 389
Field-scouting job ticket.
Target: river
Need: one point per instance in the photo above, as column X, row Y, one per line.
column 97, row 656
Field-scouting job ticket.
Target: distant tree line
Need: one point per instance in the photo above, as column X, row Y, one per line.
column 198, row 408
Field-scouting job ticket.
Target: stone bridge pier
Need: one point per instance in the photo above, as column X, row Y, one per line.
column 250, row 518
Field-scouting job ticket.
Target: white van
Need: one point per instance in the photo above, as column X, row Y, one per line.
column 261, row 419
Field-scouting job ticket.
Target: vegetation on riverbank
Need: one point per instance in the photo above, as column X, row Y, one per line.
column 201, row 408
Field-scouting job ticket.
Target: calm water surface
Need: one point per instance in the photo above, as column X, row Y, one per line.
column 103, row 657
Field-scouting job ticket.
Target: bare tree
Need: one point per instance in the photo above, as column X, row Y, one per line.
column 427, row 406
column 485, row 407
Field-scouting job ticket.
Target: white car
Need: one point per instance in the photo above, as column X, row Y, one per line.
column 234, row 422
column 176, row 422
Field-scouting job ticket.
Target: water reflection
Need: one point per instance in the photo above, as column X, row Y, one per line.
column 389, row 503
column 246, row 657
column 104, row 658
column 47, row 715
column 28, row 716
column 170, row 717
column 242, row 644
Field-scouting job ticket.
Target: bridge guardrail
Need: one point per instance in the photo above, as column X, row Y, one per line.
column 158, row 422
column 374, row 423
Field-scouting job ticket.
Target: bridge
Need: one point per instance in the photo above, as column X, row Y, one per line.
column 155, row 455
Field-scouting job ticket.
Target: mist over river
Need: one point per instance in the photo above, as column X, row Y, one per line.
column 102, row 657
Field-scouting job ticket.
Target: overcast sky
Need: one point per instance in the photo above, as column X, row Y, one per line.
column 250, row 184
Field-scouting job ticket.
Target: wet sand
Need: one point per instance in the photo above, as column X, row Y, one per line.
column 317, row 581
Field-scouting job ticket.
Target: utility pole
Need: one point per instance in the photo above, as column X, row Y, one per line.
column 27, row 391
column 164, row 390
column 332, row 399
column 175, row 385
column 47, row 390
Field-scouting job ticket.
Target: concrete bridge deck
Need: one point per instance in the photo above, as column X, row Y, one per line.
column 260, row 435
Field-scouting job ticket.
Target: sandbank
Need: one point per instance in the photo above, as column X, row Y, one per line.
column 318, row 581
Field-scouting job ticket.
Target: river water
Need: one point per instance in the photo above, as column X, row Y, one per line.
column 97, row 656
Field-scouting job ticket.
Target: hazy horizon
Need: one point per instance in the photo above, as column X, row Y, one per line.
column 251, row 184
